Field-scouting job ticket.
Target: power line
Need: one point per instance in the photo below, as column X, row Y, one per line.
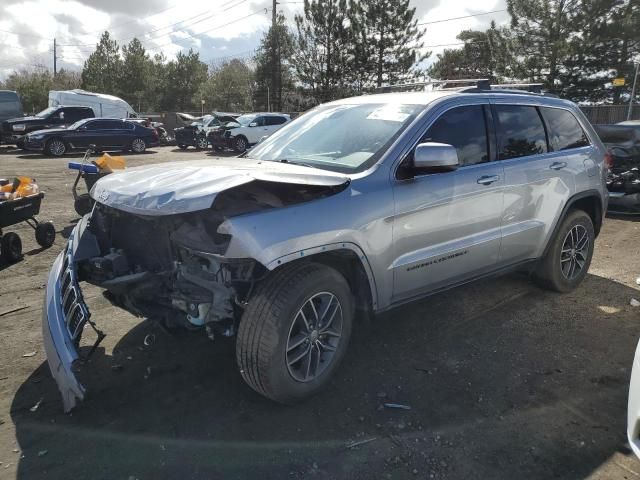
column 464, row 16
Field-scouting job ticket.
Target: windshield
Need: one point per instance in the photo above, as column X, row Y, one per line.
column 343, row 138
column 46, row 112
column 245, row 120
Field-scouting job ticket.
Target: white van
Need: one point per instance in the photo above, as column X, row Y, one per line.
column 108, row 106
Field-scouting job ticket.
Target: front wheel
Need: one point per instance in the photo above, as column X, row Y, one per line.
column 569, row 254
column 182, row 146
column 202, row 143
column 138, row 145
column 295, row 332
column 240, row 144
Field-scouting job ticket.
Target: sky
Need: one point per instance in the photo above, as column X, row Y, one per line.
column 218, row 29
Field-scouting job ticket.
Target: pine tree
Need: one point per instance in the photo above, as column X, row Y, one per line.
column 185, row 75
column 268, row 95
column 386, row 40
column 102, row 70
column 320, row 57
column 542, row 31
column 136, row 69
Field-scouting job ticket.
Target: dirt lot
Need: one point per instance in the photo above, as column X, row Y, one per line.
column 504, row 381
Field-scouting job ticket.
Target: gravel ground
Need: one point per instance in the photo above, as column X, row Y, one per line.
column 504, row 380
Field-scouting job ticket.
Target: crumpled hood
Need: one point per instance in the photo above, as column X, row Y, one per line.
column 180, row 187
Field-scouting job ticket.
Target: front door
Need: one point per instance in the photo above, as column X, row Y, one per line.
column 447, row 226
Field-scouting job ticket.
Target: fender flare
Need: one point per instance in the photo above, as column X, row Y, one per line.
column 311, row 251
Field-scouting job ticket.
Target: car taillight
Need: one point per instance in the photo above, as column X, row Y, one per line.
column 608, row 160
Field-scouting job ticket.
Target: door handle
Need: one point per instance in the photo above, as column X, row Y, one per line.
column 557, row 165
column 488, row 179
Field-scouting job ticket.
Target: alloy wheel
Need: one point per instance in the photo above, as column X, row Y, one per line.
column 314, row 337
column 138, row 145
column 574, row 253
column 203, row 143
column 57, row 147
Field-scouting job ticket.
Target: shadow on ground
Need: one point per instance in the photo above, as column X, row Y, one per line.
column 504, row 381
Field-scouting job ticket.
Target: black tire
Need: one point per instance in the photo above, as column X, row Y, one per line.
column 182, row 147
column 55, row 147
column 269, row 319
column 202, row 143
column 11, row 247
column 138, row 145
column 552, row 270
column 20, row 144
column 240, row 144
column 83, row 204
column 45, row 234
column 218, row 148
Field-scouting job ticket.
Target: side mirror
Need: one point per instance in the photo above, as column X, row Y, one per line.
column 435, row 156
column 253, row 124
column 61, row 115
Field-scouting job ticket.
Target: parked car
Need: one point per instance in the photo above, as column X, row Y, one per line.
column 10, row 107
column 247, row 130
column 14, row 129
column 195, row 135
column 104, row 133
column 623, row 180
column 354, row 208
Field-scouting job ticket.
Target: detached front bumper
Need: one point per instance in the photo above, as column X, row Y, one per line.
column 64, row 315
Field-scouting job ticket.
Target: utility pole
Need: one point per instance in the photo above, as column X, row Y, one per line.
column 274, row 57
column 633, row 90
column 55, row 58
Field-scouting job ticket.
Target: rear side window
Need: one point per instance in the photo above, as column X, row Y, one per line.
column 275, row 120
column 464, row 128
column 520, row 131
column 564, row 130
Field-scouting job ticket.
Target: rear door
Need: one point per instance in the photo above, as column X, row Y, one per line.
column 541, row 161
column 447, row 225
column 273, row 123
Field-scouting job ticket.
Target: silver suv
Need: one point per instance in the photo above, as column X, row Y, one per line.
column 355, row 207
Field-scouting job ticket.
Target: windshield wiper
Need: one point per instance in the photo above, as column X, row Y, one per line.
column 295, row 162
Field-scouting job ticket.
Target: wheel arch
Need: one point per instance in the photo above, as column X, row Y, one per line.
column 589, row 201
column 350, row 261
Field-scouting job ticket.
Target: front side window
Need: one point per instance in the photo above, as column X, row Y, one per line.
column 520, row 132
column 465, row 128
column 564, row 130
column 46, row 112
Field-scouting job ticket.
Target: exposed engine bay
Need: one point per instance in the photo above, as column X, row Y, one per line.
column 172, row 268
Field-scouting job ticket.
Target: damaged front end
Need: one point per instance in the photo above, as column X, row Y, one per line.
column 169, row 268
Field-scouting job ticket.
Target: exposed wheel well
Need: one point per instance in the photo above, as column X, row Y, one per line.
column 350, row 267
column 592, row 206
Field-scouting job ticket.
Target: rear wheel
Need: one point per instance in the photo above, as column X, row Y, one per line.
column 295, row 332
column 56, row 147
column 240, row 144
column 568, row 257
column 182, row 147
column 11, row 247
column 45, row 234
column 138, row 145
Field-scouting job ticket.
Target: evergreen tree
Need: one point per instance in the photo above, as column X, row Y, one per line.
column 103, row 69
column 542, row 31
column 185, row 76
column 230, row 87
column 278, row 40
column 136, row 69
column 385, row 40
column 321, row 47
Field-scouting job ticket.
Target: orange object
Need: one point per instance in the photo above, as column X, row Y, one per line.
column 20, row 187
column 107, row 164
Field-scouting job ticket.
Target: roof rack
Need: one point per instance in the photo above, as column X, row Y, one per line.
column 480, row 83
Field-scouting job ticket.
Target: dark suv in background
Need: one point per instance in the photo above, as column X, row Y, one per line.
column 14, row 129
